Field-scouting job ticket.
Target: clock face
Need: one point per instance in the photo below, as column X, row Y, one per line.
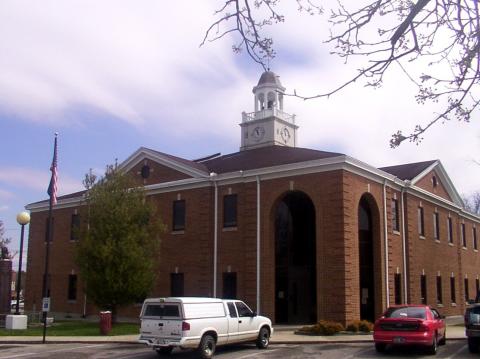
column 285, row 133
column 258, row 133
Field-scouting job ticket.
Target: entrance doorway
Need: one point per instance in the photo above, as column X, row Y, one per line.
column 295, row 264
column 366, row 260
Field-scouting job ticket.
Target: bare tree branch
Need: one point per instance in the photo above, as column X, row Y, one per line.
column 433, row 33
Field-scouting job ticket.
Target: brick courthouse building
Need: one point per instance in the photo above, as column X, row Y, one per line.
column 299, row 234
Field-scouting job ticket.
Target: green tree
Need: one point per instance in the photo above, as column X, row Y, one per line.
column 4, row 241
column 119, row 243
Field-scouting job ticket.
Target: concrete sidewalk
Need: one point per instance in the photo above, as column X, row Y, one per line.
column 281, row 335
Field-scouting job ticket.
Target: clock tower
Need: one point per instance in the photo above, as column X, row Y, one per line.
column 269, row 124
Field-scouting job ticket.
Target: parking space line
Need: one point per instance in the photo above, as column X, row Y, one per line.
column 354, row 355
column 51, row 351
column 256, row 354
column 18, row 355
column 75, row 348
column 457, row 352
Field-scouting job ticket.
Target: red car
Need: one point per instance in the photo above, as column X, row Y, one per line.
column 410, row 325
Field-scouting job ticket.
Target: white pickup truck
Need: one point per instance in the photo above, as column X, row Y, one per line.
column 201, row 323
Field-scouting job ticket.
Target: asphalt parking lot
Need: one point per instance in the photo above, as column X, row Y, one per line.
column 455, row 349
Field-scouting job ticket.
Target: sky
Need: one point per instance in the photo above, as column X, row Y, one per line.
column 114, row 75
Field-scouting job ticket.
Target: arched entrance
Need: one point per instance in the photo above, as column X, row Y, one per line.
column 366, row 260
column 295, row 267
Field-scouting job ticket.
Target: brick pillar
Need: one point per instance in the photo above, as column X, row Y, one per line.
column 5, row 285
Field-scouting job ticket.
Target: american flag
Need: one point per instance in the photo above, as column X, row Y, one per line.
column 52, row 188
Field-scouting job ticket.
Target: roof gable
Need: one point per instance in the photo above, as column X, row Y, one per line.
column 429, row 176
column 161, row 167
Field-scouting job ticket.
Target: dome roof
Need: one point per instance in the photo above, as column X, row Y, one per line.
column 269, row 77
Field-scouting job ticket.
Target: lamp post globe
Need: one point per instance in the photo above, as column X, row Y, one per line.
column 23, row 218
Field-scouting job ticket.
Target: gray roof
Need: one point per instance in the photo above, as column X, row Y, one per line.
column 269, row 77
column 408, row 171
column 264, row 157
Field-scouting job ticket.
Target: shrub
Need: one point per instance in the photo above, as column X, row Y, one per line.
column 352, row 327
column 363, row 326
column 324, row 327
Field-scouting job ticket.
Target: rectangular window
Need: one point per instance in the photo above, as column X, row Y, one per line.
column 465, row 285
column 453, row 297
column 178, row 215
column 439, row 290
column 464, row 235
column 421, row 224
column 436, row 227
column 395, row 216
column 230, row 285
column 398, row 288
column 450, row 229
column 72, row 287
column 474, row 235
column 75, row 227
column 423, row 289
column 176, row 284
column 477, row 285
column 230, row 210
column 47, row 226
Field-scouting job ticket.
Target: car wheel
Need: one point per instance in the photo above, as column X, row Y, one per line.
column 432, row 350
column 380, row 347
column 263, row 338
column 206, row 347
column 473, row 345
column 163, row 351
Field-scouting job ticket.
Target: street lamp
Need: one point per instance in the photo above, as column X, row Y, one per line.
column 23, row 218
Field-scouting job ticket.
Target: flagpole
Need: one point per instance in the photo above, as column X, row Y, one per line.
column 53, row 200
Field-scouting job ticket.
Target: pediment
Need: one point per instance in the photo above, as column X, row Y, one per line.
column 151, row 167
column 435, row 180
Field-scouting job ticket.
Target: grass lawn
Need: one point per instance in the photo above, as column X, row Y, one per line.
column 72, row 328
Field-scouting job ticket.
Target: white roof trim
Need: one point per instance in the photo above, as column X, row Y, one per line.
column 444, row 179
column 341, row 162
column 143, row 153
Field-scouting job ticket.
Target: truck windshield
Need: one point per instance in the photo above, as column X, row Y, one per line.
column 161, row 310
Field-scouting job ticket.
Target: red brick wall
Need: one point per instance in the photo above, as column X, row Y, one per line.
column 335, row 196
column 426, row 183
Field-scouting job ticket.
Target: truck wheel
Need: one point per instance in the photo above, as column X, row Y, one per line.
column 163, row 351
column 206, row 347
column 263, row 338
column 473, row 345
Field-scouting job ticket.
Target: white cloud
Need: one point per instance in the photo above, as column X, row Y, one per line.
column 140, row 62
column 19, row 178
column 3, row 208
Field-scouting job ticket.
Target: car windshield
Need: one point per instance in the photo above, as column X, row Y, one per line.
column 406, row 312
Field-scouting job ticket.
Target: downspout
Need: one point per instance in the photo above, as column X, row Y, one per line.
column 215, row 235
column 258, row 244
column 385, row 223
column 404, row 248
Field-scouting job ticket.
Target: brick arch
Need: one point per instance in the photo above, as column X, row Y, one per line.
column 293, row 219
column 369, row 257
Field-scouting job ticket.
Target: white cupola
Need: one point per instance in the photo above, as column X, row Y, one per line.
column 268, row 125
